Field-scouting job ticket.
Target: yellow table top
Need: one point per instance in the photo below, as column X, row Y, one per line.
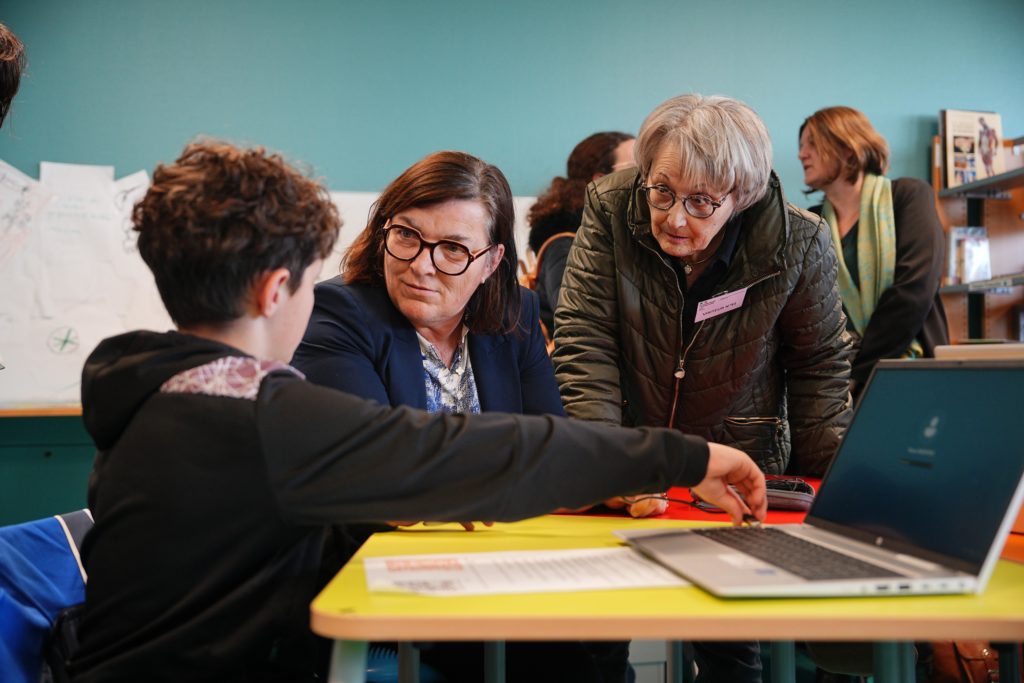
column 346, row 610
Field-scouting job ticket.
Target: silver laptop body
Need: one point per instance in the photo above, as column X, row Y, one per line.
column 925, row 488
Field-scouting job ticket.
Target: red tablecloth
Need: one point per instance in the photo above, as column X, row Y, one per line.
column 682, row 511
column 1014, row 548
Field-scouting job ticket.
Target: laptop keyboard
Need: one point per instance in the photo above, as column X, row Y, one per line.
column 797, row 556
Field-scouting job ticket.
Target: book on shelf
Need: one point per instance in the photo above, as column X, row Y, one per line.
column 968, row 256
column 971, row 144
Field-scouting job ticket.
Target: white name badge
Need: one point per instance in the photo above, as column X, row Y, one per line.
column 723, row 303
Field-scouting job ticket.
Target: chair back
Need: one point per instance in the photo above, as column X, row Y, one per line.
column 41, row 575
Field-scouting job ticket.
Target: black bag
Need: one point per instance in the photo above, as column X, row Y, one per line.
column 61, row 645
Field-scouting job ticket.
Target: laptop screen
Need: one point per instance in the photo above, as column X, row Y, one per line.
column 932, row 459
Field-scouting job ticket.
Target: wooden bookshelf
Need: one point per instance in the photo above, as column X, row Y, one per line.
column 1002, row 282
column 995, row 187
column 990, row 309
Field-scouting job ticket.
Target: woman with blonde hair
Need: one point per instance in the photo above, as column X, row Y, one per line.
column 887, row 237
column 696, row 297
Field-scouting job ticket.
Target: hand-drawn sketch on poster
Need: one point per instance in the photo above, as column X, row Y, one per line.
column 73, row 278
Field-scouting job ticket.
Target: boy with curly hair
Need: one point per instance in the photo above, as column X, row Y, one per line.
column 219, row 470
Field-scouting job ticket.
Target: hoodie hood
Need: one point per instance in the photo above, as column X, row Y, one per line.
column 124, row 371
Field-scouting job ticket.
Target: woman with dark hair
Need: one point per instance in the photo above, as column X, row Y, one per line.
column 556, row 216
column 887, row 237
column 428, row 312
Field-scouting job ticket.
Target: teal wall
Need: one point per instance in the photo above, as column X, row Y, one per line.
column 359, row 90
column 44, row 466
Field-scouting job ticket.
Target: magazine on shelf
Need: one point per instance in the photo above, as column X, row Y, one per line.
column 968, row 256
column 972, row 145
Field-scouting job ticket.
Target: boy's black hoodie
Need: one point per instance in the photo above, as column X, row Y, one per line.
column 217, row 476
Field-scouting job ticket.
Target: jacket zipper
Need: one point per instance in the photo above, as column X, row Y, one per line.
column 680, row 371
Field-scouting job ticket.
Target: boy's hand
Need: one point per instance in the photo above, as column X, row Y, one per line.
column 727, row 465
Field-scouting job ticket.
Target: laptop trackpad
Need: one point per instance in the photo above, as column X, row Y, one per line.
column 703, row 561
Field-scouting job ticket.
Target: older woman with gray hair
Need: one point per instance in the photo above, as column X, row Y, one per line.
column 696, row 297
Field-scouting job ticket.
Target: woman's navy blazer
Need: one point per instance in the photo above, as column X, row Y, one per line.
column 357, row 341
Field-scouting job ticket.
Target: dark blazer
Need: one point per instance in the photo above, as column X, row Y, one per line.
column 357, row 341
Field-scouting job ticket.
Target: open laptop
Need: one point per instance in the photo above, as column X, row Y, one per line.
column 919, row 498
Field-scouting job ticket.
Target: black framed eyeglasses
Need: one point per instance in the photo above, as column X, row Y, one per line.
column 453, row 258
column 697, row 205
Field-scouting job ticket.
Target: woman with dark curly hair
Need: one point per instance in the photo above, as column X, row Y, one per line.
column 557, row 213
column 12, row 63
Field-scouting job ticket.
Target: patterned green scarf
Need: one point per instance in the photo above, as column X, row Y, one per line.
column 876, row 253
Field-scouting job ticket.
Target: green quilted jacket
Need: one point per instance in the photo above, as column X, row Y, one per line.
column 770, row 378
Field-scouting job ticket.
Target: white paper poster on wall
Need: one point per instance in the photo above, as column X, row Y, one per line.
column 71, row 275
column 71, row 278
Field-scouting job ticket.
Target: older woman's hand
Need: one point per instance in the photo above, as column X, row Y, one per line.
column 727, row 465
column 639, row 506
column 647, row 507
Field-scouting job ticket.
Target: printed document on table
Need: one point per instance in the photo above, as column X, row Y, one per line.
column 520, row 571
